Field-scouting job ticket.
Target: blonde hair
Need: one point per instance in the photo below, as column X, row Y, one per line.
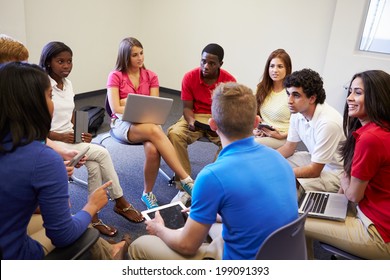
column 12, row 50
column 234, row 110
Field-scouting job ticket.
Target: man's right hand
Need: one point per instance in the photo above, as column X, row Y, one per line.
column 191, row 127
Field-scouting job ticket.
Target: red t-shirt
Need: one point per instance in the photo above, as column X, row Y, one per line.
column 193, row 88
column 371, row 162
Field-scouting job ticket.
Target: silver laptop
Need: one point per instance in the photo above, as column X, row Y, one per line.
column 147, row 109
column 326, row 205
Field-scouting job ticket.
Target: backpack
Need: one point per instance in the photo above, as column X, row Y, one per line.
column 95, row 118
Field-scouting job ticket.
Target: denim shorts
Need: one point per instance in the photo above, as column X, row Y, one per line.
column 120, row 129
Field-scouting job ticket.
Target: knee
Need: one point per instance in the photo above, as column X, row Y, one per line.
column 140, row 248
column 93, row 168
column 155, row 131
column 151, row 152
column 100, row 151
column 172, row 135
column 176, row 135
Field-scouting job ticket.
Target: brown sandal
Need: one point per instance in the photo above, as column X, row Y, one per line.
column 105, row 229
column 130, row 213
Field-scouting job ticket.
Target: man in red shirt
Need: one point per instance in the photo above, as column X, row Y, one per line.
column 196, row 90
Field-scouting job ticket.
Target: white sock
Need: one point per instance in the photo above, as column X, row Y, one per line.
column 187, row 180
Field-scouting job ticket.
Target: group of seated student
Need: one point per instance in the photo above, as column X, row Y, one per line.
column 33, row 175
column 56, row 60
column 342, row 156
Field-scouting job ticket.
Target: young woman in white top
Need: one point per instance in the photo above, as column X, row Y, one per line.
column 56, row 60
column 272, row 100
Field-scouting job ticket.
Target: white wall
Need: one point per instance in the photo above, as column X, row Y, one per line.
column 91, row 28
column 343, row 59
column 12, row 19
column 248, row 30
column 322, row 35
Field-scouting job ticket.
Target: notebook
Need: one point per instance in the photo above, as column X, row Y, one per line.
column 326, row 205
column 80, row 125
column 171, row 213
column 147, row 109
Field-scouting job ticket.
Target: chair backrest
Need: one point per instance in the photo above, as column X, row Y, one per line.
column 108, row 107
column 287, row 242
column 78, row 250
column 338, row 253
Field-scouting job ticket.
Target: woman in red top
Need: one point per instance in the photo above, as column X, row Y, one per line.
column 366, row 181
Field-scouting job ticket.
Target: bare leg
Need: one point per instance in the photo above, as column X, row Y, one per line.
column 154, row 134
column 152, row 164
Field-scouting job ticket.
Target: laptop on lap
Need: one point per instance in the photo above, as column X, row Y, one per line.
column 147, row 109
column 326, row 205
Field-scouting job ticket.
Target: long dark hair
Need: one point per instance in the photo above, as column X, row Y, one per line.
column 23, row 108
column 124, row 53
column 51, row 50
column 265, row 86
column 376, row 85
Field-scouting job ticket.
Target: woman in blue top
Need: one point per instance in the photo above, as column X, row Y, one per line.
column 34, row 175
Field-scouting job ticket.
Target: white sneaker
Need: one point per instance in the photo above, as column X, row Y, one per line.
column 182, row 196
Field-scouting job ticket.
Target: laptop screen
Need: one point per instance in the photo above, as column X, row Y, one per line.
column 301, row 194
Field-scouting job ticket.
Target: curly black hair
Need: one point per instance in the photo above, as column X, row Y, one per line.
column 310, row 82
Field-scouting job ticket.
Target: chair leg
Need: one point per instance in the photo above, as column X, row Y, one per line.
column 164, row 174
column 338, row 254
column 104, row 137
column 78, row 181
column 171, row 181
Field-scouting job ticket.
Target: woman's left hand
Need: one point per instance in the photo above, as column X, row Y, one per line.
column 273, row 133
column 258, row 133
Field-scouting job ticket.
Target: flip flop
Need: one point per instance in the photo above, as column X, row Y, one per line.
column 126, row 213
column 105, row 229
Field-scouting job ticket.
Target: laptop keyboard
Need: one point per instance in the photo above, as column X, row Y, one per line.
column 319, row 202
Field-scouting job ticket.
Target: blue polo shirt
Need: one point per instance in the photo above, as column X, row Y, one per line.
column 253, row 188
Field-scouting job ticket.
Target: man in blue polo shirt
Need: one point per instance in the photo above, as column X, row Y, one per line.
column 250, row 188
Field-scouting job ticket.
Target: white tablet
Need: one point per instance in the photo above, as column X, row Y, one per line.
column 75, row 160
column 172, row 214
